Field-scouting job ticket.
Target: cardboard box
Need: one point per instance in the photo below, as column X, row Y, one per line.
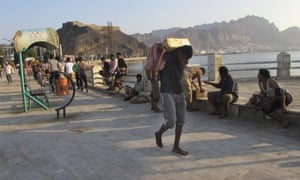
column 173, row 43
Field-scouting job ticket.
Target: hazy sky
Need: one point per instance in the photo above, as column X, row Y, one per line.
column 140, row 16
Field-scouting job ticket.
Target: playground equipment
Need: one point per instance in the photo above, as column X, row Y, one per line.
column 47, row 38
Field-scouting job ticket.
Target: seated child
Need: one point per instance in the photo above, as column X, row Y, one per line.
column 135, row 90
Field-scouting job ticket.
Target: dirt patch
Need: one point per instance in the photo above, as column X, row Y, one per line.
column 80, row 129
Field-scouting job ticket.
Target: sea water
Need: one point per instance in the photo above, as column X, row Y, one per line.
column 230, row 59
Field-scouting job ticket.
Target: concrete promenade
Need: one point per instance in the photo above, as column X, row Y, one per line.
column 104, row 137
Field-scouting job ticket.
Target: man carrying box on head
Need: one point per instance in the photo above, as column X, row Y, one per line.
column 171, row 72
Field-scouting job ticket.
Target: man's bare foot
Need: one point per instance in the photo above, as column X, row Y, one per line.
column 180, row 151
column 158, row 140
column 284, row 109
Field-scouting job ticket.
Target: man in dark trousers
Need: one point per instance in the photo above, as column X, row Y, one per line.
column 174, row 105
column 122, row 64
column 105, row 70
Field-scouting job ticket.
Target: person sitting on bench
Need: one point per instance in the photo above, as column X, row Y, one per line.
column 135, row 90
column 228, row 93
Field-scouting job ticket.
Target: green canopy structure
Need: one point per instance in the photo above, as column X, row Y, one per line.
column 23, row 40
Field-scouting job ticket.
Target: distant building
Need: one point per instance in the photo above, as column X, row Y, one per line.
column 79, row 24
column 8, row 52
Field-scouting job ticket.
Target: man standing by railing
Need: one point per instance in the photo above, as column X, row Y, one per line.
column 82, row 74
column 113, row 67
column 122, row 64
column 105, row 71
column 75, row 69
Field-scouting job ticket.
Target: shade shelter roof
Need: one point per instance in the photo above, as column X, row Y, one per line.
column 45, row 37
column 23, row 40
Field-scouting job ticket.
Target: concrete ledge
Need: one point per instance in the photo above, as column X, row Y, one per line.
column 237, row 109
column 240, row 110
column 203, row 104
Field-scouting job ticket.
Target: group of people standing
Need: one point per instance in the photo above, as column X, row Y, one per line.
column 51, row 68
column 79, row 68
column 113, row 71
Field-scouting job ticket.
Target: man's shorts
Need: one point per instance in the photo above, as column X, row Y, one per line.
column 173, row 109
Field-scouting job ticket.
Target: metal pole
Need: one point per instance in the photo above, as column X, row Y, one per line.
column 7, row 53
column 60, row 50
column 22, row 82
column 110, row 35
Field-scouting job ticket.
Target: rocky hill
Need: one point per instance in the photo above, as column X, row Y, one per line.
column 250, row 33
column 82, row 39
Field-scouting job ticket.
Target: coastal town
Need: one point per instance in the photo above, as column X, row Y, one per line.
column 82, row 100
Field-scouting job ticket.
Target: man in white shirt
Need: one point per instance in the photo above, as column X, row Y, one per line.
column 69, row 68
column 113, row 66
column 9, row 70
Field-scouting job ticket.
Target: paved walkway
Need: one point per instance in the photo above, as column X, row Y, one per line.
column 104, row 137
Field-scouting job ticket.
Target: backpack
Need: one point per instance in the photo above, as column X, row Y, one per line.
column 288, row 97
column 286, row 93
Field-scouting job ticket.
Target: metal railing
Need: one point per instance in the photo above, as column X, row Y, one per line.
column 130, row 77
column 259, row 62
